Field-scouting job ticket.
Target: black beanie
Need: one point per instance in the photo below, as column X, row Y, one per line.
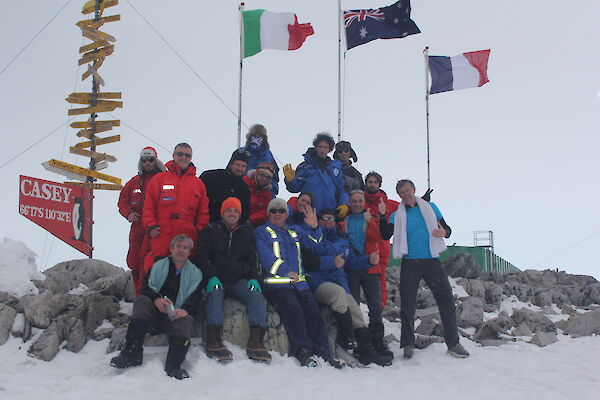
column 344, row 146
column 325, row 211
column 241, row 155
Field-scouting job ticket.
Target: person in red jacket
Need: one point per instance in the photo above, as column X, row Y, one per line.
column 131, row 205
column 259, row 183
column 373, row 196
column 176, row 203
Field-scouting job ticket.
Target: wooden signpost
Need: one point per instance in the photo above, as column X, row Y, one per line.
column 93, row 54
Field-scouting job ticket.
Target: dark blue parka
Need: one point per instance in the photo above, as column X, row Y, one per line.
column 323, row 179
column 279, row 253
column 333, row 244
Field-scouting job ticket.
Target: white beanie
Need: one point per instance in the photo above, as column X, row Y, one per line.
column 148, row 152
column 277, row 203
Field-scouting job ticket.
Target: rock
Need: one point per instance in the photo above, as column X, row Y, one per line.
column 592, row 292
column 543, row 299
column 493, row 292
column 584, row 324
column 117, row 339
column 470, row 312
column 7, row 318
column 562, row 325
column 430, row 326
column 422, row 341
column 75, row 336
column 492, row 342
column 392, row 313
column 40, row 309
column 535, row 321
column 10, row 300
column 548, row 310
column 462, row 265
column 567, row 309
column 537, row 278
column 491, row 329
column 565, row 279
column 493, row 276
column 522, row 330
column 425, row 298
column 69, row 274
column 97, row 309
column 47, row 344
column 118, row 285
column 101, row 334
column 474, row 287
column 543, row 339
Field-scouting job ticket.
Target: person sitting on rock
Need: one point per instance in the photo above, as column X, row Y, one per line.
column 227, row 256
column 279, row 250
column 329, row 283
column 169, row 297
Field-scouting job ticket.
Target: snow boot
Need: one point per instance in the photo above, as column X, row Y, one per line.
column 458, row 351
column 366, row 352
column 307, row 358
column 409, row 351
column 255, row 348
column 214, row 344
column 178, row 348
column 133, row 352
column 345, row 337
column 378, row 343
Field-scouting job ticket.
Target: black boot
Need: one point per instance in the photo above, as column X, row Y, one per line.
column 345, row 338
column 133, row 352
column 366, row 353
column 307, row 358
column 378, row 343
column 178, row 348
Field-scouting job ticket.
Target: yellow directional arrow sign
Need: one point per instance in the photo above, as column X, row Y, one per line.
column 87, row 133
column 88, row 124
column 86, row 100
column 103, row 186
column 90, row 6
column 100, row 95
column 106, row 106
column 82, row 171
column 101, row 141
column 92, row 154
column 92, row 46
column 96, row 54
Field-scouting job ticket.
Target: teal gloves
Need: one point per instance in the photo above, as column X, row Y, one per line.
column 253, row 285
column 213, row 283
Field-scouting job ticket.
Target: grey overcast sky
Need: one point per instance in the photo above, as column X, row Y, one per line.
column 517, row 156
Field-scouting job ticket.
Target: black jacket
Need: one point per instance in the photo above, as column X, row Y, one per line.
column 227, row 255
column 353, row 179
column 170, row 289
column 221, row 184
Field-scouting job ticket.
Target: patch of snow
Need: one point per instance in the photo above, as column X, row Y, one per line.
column 457, row 290
column 513, row 303
column 18, row 268
column 18, row 323
column 79, row 289
column 126, row 308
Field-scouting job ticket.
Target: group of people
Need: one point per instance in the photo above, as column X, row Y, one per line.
column 225, row 233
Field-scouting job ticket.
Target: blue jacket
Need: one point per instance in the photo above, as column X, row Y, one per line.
column 324, row 182
column 333, row 244
column 279, row 253
column 261, row 155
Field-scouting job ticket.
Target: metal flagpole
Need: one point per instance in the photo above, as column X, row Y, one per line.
column 339, row 70
column 239, row 122
column 426, row 54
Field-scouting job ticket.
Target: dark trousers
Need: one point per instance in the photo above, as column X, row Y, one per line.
column 371, row 288
column 302, row 320
column 429, row 269
column 144, row 309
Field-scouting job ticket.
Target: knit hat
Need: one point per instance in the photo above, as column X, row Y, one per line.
column 266, row 165
column 326, row 211
column 277, row 203
column 231, row 202
column 240, row 154
column 150, row 152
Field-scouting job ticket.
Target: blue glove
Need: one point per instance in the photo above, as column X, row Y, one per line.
column 213, row 283
column 254, row 285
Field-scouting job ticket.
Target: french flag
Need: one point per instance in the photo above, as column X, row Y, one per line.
column 466, row 70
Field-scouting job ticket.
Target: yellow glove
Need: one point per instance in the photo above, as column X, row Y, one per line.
column 288, row 172
column 341, row 211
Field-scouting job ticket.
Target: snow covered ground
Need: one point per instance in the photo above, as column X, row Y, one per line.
column 568, row 369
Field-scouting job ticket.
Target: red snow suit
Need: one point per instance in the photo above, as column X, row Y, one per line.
column 131, row 199
column 259, row 200
column 177, row 203
column 372, row 204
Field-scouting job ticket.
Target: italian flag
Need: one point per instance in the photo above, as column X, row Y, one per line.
column 272, row 30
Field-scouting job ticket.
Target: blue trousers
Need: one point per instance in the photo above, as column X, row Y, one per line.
column 254, row 300
column 302, row 320
column 432, row 272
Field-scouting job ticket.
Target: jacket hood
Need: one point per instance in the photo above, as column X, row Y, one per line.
column 172, row 167
column 160, row 167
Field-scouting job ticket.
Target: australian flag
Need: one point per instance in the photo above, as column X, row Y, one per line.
column 389, row 22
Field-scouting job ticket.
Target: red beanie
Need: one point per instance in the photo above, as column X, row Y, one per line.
column 231, row 202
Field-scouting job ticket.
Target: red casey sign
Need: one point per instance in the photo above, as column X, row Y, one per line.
column 62, row 210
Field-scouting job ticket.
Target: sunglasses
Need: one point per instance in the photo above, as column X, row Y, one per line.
column 327, row 218
column 278, row 211
column 147, row 159
column 182, row 154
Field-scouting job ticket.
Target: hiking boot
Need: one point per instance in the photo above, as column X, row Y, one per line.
column 178, row 348
column 255, row 348
column 345, row 338
column 307, row 359
column 365, row 351
column 133, row 352
column 409, row 352
column 458, row 351
column 378, row 343
column 214, row 344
